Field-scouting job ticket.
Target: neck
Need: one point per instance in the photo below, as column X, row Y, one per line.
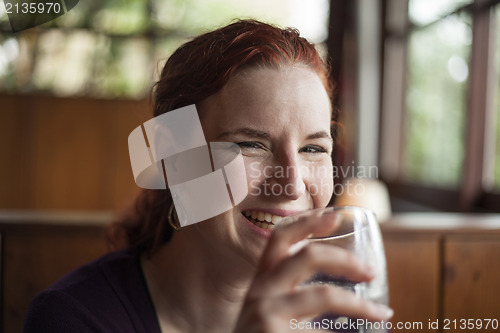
column 194, row 287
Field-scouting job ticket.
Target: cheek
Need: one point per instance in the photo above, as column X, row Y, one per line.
column 257, row 172
column 320, row 183
column 218, row 228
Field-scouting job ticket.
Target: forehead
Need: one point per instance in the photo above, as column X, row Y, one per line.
column 270, row 97
column 274, row 83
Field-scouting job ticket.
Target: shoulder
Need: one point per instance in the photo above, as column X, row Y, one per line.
column 57, row 311
column 108, row 294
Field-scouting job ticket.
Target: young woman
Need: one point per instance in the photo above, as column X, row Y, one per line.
column 267, row 90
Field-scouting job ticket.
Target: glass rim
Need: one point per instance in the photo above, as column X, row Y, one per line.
column 366, row 213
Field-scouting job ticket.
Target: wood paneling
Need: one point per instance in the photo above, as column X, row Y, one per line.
column 66, row 153
column 472, row 277
column 413, row 265
column 15, row 153
column 35, row 256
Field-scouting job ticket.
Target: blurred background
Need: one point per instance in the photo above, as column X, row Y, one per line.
column 416, row 86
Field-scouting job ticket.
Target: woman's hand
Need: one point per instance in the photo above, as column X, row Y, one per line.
column 276, row 295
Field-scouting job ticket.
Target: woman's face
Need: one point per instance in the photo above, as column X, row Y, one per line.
column 280, row 118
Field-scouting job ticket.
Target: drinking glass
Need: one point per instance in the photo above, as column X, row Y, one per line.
column 356, row 230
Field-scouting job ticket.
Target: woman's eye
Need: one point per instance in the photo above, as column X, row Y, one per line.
column 313, row 149
column 251, row 145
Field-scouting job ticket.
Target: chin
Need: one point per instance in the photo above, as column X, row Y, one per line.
column 249, row 239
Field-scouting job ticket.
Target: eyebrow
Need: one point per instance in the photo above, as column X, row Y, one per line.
column 320, row 135
column 247, row 131
column 264, row 135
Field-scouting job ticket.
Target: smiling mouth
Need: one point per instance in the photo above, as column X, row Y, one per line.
column 261, row 219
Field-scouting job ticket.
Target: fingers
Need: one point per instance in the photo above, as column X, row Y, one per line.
column 276, row 295
column 292, row 311
column 292, row 271
column 313, row 300
column 287, row 234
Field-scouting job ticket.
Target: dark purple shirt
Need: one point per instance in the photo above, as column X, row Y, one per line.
column 106, row 295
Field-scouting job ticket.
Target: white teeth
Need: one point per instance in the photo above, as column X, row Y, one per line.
column 260, row 216
column 276, row 219
column 263, row 218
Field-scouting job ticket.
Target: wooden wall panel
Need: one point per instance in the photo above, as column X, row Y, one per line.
column 16, row 130
column 413, row 265
column 472, row 277
column 70, row 158
column 66, row 153
column 34, row 257
column 123, row 120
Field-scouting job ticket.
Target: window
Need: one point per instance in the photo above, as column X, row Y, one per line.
column 440, row 109
column 114, row 48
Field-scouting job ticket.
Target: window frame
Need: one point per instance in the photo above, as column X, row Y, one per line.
column 471, row 194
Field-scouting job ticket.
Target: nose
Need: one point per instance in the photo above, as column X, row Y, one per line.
column 289, row 176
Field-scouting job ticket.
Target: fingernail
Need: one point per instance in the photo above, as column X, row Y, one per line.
column 384, row 311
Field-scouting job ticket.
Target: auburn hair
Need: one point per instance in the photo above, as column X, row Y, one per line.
column 195, row 71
